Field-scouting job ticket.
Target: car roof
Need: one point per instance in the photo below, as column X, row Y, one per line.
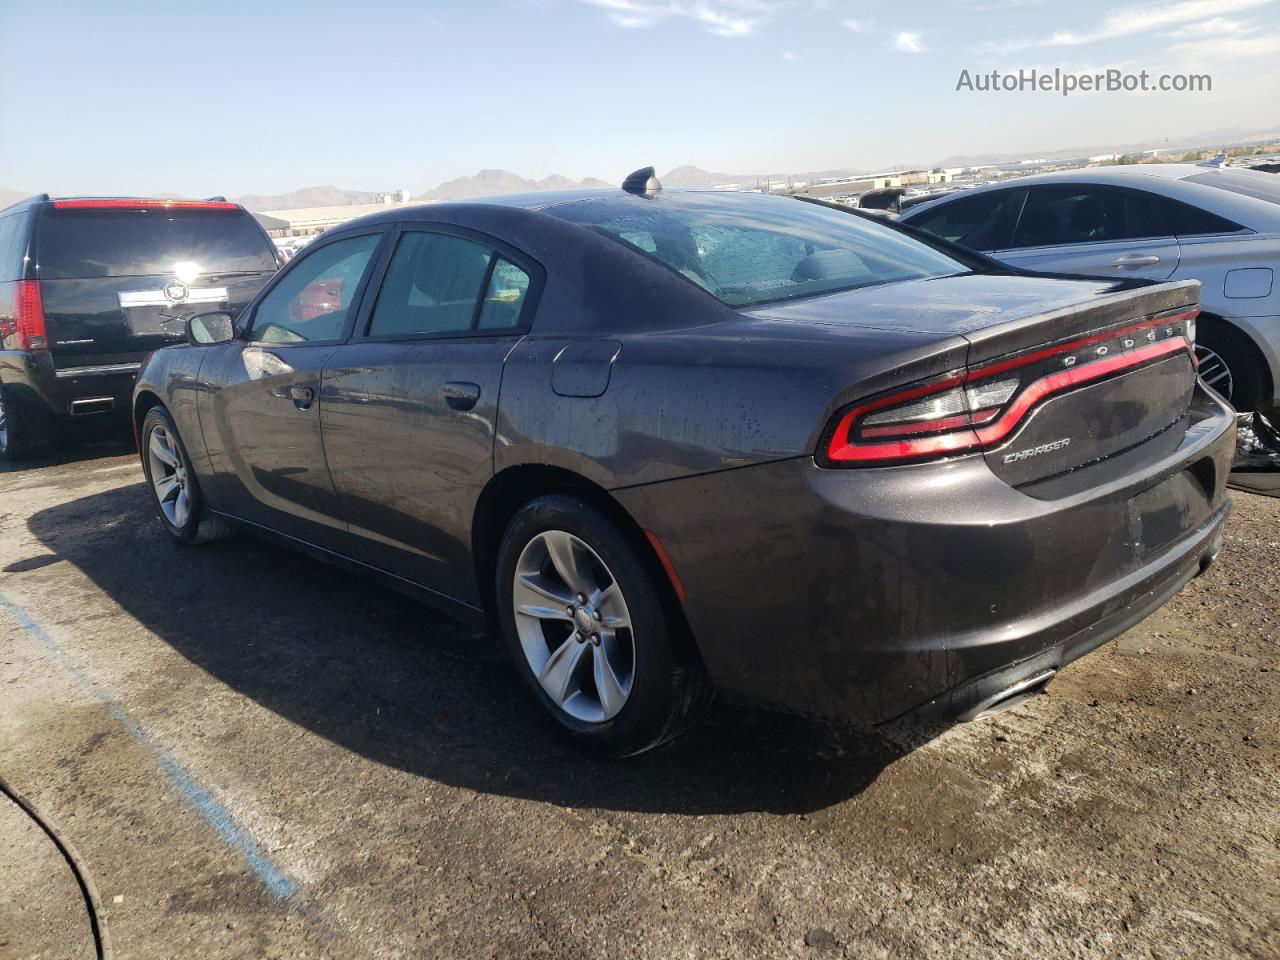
column 1181, row 181
column 543, row 200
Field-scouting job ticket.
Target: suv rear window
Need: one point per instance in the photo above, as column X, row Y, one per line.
column 746, row 249
column 1250, row 183
column 130, row 243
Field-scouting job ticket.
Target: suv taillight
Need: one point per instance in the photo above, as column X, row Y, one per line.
column 28, row 316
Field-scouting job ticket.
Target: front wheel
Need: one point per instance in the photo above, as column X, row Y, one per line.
column 175, row 491
column 587, row 627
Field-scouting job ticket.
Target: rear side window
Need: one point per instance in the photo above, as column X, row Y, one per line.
column 505, row 296
column 129, row 243
column 433, row 285
column 12, row 235
column 1086, row 214
column 314, row 298
column 442, row 284
column 1189, row 221
column 980, row 222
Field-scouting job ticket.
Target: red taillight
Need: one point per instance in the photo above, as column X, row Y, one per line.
column 144, row 205
column 979, row 408
column 28, row 316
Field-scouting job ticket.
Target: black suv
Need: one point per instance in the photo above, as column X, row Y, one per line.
column 89, row 286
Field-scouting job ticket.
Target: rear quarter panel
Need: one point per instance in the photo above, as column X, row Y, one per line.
column 685, row 402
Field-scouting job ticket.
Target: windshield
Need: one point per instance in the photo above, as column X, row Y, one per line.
column 130, row 243
column 1250, row 183
column 748, row 249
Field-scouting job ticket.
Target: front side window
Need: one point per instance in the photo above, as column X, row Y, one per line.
column 748, row 249
column 315, row 297
column 1054, row 216
column 979, row 222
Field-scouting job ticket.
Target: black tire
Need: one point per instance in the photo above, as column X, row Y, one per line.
column 26, row 431
column 669, row 686
column 198, row 525
column 1243, row 365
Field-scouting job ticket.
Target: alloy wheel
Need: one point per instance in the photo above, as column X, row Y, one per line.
column 169, row 478
column 1214, row 370
column 574, row 626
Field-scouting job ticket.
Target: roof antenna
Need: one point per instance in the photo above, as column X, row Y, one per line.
column 643, row 183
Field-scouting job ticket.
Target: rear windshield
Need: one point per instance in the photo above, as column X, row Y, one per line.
column 747, row 249
column 1250, row 183
column 130, row 243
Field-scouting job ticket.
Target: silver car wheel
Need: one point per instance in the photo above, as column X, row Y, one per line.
column 574, row 626
column 168, row 477
column 1214, row 370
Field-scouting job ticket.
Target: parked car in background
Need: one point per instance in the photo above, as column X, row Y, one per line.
column 1218, row 225
column 89, row 286
column 665, row 441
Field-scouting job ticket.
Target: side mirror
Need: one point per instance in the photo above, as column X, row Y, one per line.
column 208, row 329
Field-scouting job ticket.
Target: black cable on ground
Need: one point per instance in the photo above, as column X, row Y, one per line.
column 86, row 891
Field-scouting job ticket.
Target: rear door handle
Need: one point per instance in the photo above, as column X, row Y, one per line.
column 302, row 397
column 1135, row 261
column 460, row 395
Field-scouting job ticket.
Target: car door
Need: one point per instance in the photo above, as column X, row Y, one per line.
column 409, row 406
column 261, row 407
column 1096, row 230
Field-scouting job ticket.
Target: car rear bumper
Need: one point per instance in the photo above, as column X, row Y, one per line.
column 70, row 391
column 920, row 591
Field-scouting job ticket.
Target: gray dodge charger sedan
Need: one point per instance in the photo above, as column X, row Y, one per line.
column 671, row 442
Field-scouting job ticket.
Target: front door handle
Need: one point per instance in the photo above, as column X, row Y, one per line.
column 460, row 395
column 302, row 396
column 1135, row 261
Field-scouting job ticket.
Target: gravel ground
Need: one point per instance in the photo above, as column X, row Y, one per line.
column 255, row 755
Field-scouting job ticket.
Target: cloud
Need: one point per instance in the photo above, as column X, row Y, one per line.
column 790, row 56
column 908, row 41
column 1129, row 21
column 857, row 26
column 1215, row 27
column 1225, row 48
column 724, row 18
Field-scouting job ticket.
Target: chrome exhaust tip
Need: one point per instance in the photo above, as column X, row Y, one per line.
column 1009, row 697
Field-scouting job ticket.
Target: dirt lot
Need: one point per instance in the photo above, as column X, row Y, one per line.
column 254, row 755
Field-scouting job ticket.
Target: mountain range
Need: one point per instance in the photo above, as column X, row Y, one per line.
column 490, row 181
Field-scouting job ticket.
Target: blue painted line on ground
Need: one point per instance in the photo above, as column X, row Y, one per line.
column 210, row 810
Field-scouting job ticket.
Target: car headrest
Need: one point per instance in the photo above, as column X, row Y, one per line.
column 830, row 265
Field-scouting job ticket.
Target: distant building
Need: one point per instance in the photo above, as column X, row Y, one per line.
column 308, row 221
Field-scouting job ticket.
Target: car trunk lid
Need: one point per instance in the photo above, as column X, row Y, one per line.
column 1059, row 372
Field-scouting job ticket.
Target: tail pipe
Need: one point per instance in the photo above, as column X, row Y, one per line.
column 1009, row 697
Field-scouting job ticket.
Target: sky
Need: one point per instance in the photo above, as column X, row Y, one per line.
column 241, row 97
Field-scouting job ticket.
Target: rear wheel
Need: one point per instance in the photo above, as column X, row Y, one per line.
column 25, row 430
column 175, row 491
column 588, row 630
